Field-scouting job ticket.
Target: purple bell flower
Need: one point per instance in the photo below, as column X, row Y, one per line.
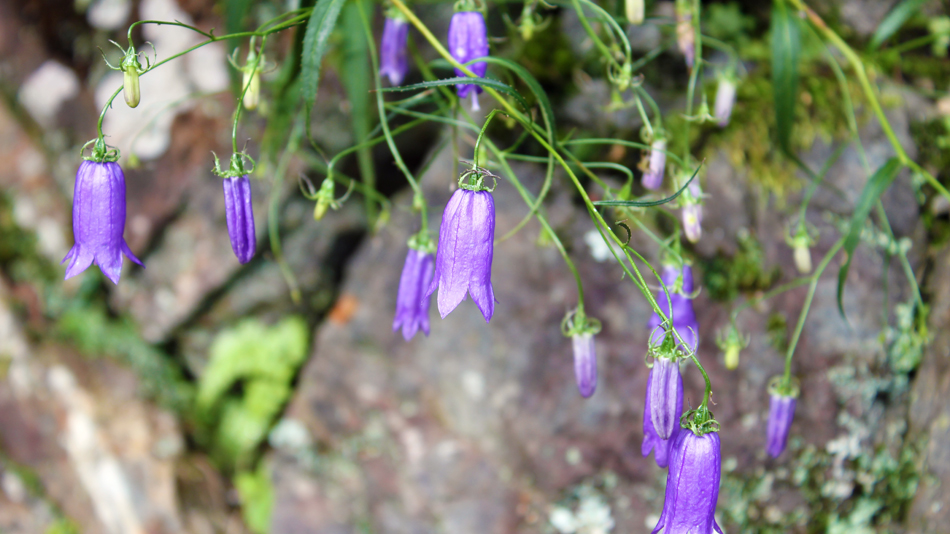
column 693, row 212
column 781, row 413
column 393, row 61
column 585, row 363
column 651, row 441
column 412, row 305
column 463, row 260
column 684, row 318
column 725, row 99
column 653, row 178
column 665, row 396
column 240, row 216
column 692, row 485
column 468, row 40
column 99, row 220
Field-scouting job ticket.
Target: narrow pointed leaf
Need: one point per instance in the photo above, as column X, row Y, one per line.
column 876, row 185
column 484, row 82
column 893, row 21
column 786, row 51
column 648, row 203
column 319, row 28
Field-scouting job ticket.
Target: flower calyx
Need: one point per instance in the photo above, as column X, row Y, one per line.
column 670, row 347
column 422, row 242
column 251, row 81
column 324, row 196
column 577, row 323
column 474, row 179
column 101, row 152
column 700, row 421
column 238, row 167
column 785, row 386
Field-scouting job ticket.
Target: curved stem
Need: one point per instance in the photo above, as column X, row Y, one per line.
column 481, row 133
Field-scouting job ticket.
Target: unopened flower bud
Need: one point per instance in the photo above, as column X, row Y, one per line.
column 585, row 363
column 666, row 396
column 324, row 199
column 693, row 213
column 252, row 95
column 634, row 10
column 130, row 86
column 725, row 99
column 685, row 32
column 653, row 177
column 802, row 258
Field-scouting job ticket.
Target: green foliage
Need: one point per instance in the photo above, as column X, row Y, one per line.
column 776, row 328
column 894, row 20
column 18, row 253
column 727, row 22
column 319, row 28
column 62, row 526
column 257, row 498
column 261, row 362
column 726, row 277
column 908, row 338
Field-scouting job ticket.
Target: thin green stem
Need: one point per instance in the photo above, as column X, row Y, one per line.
column 481, row 133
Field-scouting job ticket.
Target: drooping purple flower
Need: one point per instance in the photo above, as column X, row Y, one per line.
column 412, row 305
column 665, row 397
column 725, row 99
column 393, row 61
column 99, row 220
column 463, row 260
column 585, row 363
column 692, row 485
column 684, row 318
column 685, row 32
column 693, row 213
column 240, row 217
column 781, row 413
column 653, row 178
column 651, row 441
column 468, row 40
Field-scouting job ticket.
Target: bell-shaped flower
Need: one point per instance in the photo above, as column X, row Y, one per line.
column 665, row 395
column 652, row 441
column 466, row 244
column 468, row 40
column 653, row 177
column 393, row 60
column 412, row 304
column 692, row 485
column 679, row 282
column 725, row 99
column 781, row 413
column 99, row 220
column 585, row 363
column 240, row 216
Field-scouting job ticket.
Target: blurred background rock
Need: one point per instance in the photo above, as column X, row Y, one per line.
column 198, row 396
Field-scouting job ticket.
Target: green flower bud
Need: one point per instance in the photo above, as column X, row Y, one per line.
column 130, row 85
column 634, row 10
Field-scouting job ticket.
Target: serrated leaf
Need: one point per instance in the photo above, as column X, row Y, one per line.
column 319, row 27
column 484, row 82
column 786, row 51
column 876, row 185
column 648, row 203
column 893, row 21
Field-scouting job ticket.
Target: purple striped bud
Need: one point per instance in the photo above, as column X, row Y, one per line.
column 725, row 99
column 666, row 396
column 240, row 216
column 651, row 441
column 412, row 304
column 653, row 177
column 99, row 220
column 466, row 244
column 468, row 40
column 781, row 413
column 684, row 318
column 692, row 485
column 393, row 61
column 585, row 363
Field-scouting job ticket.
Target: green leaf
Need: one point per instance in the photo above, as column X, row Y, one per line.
column 648, row 203
column 877, row 184
column 357, row 77
column 786, row 51
column 893, row 21
column 484, row 82
column 321, row 24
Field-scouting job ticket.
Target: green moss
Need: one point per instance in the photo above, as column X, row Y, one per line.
column 726, row 277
